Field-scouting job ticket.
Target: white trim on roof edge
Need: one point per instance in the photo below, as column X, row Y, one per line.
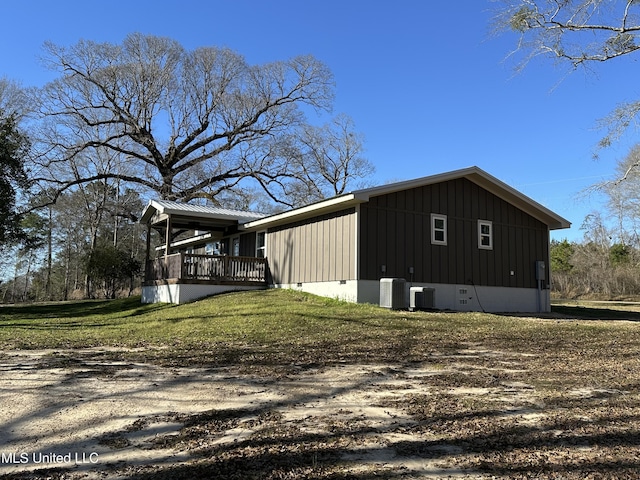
column 474, row 174
column 301, row 212
column 250, row 220
column 177, row 208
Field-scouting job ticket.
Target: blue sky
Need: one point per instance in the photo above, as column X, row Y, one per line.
column 425, row 82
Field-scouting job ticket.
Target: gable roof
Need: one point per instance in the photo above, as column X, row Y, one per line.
column 473, row 174
column 209, row 217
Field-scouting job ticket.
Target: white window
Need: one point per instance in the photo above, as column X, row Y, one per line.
column 235, row 247
column 485, row 234
column 261, row 244
column 438, row 229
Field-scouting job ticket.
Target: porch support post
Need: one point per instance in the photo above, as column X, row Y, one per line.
column 167, row 237
column 147, row 257
column 147, row 254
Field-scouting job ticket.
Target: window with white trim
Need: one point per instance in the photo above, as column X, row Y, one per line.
column 438, row 229
column 485, row 234
column 261, row 244
column 235, row 247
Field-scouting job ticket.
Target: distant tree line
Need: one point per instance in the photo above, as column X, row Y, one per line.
column 591, row 270
column 606, row 262
column 87, row 244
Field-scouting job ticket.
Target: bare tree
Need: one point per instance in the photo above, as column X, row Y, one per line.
column 332, row 156
column 623, row 197
column 577, row 33
column 327, row 160
column 13, row 99
column 183, row 124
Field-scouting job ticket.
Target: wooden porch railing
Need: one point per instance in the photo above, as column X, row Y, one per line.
column 213, row 268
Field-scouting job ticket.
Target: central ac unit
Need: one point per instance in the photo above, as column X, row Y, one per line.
column 392, row 293
column 422, row 298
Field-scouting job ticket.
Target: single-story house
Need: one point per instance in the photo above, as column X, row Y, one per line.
column 470, row 241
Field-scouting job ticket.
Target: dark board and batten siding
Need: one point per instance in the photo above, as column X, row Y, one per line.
column 395, row 232
column 319, row 249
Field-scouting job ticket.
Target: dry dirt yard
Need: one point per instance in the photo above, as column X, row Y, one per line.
column 469, row 413
column 123, row 420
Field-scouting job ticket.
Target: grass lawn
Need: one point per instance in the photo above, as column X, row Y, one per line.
column 284, row 327
column 281, row 327
column 579, row 365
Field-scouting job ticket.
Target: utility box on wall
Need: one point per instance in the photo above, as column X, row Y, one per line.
column 422, row 298
column 392, row 293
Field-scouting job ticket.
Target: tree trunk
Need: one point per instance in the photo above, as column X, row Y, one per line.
column 67, row 272
column 26, row 278
column 47, row 285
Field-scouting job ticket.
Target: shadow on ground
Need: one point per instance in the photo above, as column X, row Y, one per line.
column 594, row 313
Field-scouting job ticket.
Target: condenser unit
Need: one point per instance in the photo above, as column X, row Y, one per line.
column 422, row 298
column 392, row 293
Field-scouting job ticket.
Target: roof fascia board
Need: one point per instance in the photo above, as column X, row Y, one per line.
column 314, row 209
column 148, row 213
column 367, row 193
column 520, row 200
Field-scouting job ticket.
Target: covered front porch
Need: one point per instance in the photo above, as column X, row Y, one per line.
column 198, row 257
column 182, row 277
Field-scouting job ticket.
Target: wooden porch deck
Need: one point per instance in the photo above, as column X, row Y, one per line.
column 206, row 269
